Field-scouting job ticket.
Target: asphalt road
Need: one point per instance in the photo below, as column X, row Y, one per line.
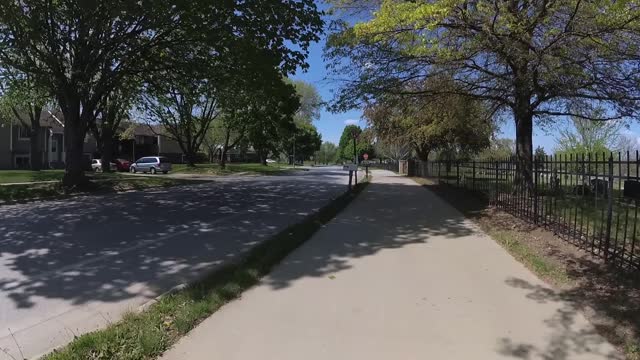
column 68, row 267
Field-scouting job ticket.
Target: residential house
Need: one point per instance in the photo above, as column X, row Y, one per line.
column 146, row 140
column 15, row 143
column 149, row 140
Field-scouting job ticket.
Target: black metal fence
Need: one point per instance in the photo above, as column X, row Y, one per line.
column 390, row 165
column 589, row 200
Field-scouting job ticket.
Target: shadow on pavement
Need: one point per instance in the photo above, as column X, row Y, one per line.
column 566, row 338
column 102, row 248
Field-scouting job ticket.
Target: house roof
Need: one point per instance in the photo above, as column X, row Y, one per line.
column 55, row 121
column 52, row 120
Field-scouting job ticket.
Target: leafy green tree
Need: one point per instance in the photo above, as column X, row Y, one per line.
column 499, row 149
column 305, row 139
column 222, row 136
column 303, row 143
column 540, row 156
column 346, row 144
column 540, row 153
column 270, row 117
column 22, row 99
column 531, row 59
column 310, row 101
column 81, row 51
column 186, row 109
column 584, row 136
column 327, row 154
column 111, row 115
column 431, row 124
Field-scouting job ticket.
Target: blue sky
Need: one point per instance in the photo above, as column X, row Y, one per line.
column 331, row 125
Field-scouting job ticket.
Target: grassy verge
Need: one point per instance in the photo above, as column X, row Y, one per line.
column 148, row 334
column 234, row 168
column 20, row 176
column 100, row 183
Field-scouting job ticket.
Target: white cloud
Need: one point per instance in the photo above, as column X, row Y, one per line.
column 351, row 122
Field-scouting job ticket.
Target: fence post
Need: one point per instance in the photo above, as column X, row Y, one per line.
column 473, row 181
column 496, row 200
column 607, row 241
column 535, row 189
column 458, row 173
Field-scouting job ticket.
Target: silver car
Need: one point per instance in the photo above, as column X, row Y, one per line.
column 151, row 164
column 96, row 165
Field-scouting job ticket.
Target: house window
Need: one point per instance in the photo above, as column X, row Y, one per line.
column 54, row 145
column 24, row 133
column 22, row 162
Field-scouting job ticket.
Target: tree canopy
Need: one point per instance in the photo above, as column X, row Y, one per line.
column 533, row 59
column 583, row 137
column 431, row 124
column 80, row 51
column 363, row 143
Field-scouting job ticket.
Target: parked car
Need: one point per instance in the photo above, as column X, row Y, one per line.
column 271, row 161
column 122, row 164
column 151, row 164
column 96, row 165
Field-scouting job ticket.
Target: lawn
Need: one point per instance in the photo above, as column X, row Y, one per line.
column 20, row 176
column 234, row 168
column 101, row 183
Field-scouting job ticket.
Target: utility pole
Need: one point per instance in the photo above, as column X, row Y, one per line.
column 355, row 154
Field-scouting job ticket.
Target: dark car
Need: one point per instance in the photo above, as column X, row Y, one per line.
column 122, row 164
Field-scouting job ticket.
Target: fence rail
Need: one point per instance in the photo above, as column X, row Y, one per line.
column 589, row 200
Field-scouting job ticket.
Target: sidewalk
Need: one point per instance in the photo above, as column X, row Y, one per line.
column 398, row 275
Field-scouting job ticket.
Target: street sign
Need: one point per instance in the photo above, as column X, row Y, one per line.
column 365, row 156
column 350, row 167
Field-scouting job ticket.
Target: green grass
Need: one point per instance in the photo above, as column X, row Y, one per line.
column 20, row 176
column 233, row 168
column 539, row 264
column 146, row 335
column 108, row 182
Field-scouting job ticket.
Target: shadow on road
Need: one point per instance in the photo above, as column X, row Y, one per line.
column 103, row 248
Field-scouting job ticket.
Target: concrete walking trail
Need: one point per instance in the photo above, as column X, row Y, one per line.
column 399, row 274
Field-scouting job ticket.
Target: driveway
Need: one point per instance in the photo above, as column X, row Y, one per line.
column 71, row 266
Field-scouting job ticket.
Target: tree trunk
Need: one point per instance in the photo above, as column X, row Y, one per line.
column 191, row 156
column 74, row 133
column 524, row 145
column 422, row 151
column 36, row 145
column 225, row 148
column 263, row 159
column 107, row 149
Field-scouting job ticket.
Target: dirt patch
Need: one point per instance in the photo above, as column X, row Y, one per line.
column 608, row 297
